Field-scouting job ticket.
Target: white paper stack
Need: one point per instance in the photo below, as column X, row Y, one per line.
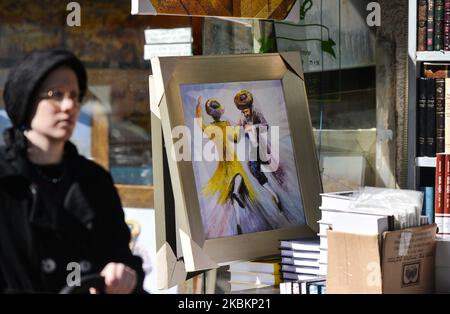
column 173, row 42
column 300, row 258
column 331, row 203
column 254, row 274
column 368, row 211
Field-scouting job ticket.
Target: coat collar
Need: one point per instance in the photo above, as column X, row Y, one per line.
column 75, row 201
column 18, row 166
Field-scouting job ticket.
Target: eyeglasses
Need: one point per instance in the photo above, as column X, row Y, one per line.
column 58, row 96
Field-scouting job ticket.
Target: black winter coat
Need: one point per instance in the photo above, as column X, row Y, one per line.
column 35, row 249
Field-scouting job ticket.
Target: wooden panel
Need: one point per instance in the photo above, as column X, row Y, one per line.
column 100, row 138
column 169, row 6
column 278, row 9
column 136, row 196
column 193, row 6
column 197, row 34
column 237, row 8
column 167, row 21
column 241, row 7
column 258, row 8
column 216, row 7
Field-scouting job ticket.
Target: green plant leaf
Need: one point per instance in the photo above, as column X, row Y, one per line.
column 305, row 8
column 267, row 44
column 327, row 46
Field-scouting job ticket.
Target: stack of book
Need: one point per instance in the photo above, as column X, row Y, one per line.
column 433, row 110
column 374, row 210
column 331, row 203
column 300, row 259
column 358, row 212
column 433, row 29
column 173, row 42
column 254, row 274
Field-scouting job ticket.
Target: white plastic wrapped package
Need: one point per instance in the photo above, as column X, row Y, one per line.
column 404, row 205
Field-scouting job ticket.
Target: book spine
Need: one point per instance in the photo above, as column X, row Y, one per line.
column 391, row 223
column 431, row 118
column 295, row 287
column 314, row 288
column 440, row 115
column 446, row 218
column 422, row 117
column 286, row 287
column 322, row 289
column 439, row 25
column 439, row 193
column 447, row 116
column 430, row 25
column 435, row 71
column 447, row 25
column 422, row 25
column 428, row 209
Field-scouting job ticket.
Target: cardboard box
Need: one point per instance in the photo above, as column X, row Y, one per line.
column 399, row 261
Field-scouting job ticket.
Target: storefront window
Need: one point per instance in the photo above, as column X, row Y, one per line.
column 338, row 53
column 340, row 63
column 339, row 60
column 114, row 127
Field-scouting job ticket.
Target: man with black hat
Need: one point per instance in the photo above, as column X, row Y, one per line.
column 57, row 209
column 253, row 121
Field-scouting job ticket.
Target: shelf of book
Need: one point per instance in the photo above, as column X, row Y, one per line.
column 422, row 15
column 426, row 162
column 433, row 56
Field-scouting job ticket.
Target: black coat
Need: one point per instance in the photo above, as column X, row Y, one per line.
column 35, row 250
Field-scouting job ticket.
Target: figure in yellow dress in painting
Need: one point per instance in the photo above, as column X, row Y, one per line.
column 229, row 181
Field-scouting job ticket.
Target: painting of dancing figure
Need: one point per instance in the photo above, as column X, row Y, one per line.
column 249, row 183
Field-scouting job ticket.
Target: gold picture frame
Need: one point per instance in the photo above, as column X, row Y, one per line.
column 200, row 251
column 169, row 256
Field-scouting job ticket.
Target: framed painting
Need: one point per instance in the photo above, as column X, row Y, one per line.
column 240, row 154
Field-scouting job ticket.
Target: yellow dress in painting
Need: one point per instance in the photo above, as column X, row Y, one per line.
column 222, row 181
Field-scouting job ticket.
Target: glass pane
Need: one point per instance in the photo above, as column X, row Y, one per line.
column 224, row 36
column 338, row 52
column 125, row 98
column 339, row 59
column 111, row 44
